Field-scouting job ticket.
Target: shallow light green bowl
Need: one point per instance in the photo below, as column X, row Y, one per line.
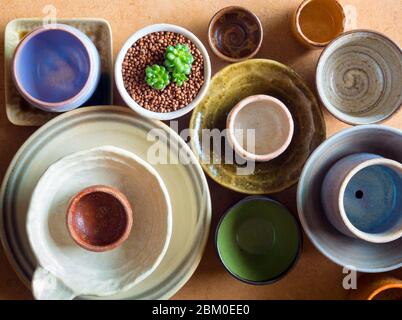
column 227, row 88
column 258, row 240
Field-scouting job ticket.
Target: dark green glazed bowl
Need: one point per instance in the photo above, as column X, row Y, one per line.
column 258, row 240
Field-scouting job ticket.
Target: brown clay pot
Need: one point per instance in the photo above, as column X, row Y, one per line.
column 235, row 34
column 99, row 218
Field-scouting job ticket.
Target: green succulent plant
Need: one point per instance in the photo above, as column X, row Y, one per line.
column 157, row 77
column 178, row 59
column 179, row 78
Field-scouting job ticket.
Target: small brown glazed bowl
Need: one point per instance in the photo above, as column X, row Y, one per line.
column 315, row 23
column 235, row 34
column 99, row 218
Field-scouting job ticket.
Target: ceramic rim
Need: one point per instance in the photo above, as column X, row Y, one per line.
column 384, row 288
column 284, row 272
column 371, row 237
column 91, row 58
column 219, row 54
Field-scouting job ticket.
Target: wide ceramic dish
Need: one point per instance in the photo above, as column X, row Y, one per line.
column 344, row 250
column 228, row 87
column 119, row 77
column 19, row 112
column 109, row 272
column 82, row 129
column 359, row 77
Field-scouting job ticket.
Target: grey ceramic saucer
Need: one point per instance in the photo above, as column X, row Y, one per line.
column 343, row 250
column 90, row 127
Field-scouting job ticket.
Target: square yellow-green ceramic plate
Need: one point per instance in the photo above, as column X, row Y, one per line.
column 19, row 112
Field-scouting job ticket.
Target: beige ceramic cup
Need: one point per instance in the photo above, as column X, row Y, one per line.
column 315, row 23
column 259, row 128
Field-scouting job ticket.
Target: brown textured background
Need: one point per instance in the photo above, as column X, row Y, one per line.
column 314, row 276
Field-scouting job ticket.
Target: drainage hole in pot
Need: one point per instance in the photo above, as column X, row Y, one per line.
column 359, row 194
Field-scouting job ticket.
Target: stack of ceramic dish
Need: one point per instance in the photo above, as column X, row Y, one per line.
column 282, row 98
column 61, row 239
column 349, row 198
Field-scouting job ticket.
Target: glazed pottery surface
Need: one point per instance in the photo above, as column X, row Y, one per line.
column 316, row 22
column 99, row 218
column 258, row 240
column 362, row 197
column 119, row 77
column 56, row 68
column 236, row 82
column 270, row 122
column 359, row 77
column 110, row 272
column 20, row 112
column 235, row 34
column 91, row 127
column 354, row 253
column 377, row 287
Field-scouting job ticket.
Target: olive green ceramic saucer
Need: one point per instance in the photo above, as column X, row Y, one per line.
column 258, row 240
column 228, row 87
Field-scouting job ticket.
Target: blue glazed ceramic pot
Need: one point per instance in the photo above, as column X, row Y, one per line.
column 56, row 68
column 351, row 252
column 362, row 197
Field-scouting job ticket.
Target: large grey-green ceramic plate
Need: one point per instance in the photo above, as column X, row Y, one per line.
column 95, row 126
column 240, row 80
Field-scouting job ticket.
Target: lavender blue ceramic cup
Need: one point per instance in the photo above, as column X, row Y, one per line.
column 56, row 68
column 362, row 197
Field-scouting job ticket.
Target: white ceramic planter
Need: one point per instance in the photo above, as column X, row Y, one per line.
column 119, row 77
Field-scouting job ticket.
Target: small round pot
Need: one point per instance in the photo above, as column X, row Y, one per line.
column 358, row 77
column 99, row 218
column 377, row 287
column 120, row 82
column 258, row 240
column 361, row 196
column 235, row 34
column 317, row 22
column 272, row 126
column 56, row 68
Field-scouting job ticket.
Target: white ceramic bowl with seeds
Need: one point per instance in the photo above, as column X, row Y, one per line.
column 119, row 76
column 359, row 77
